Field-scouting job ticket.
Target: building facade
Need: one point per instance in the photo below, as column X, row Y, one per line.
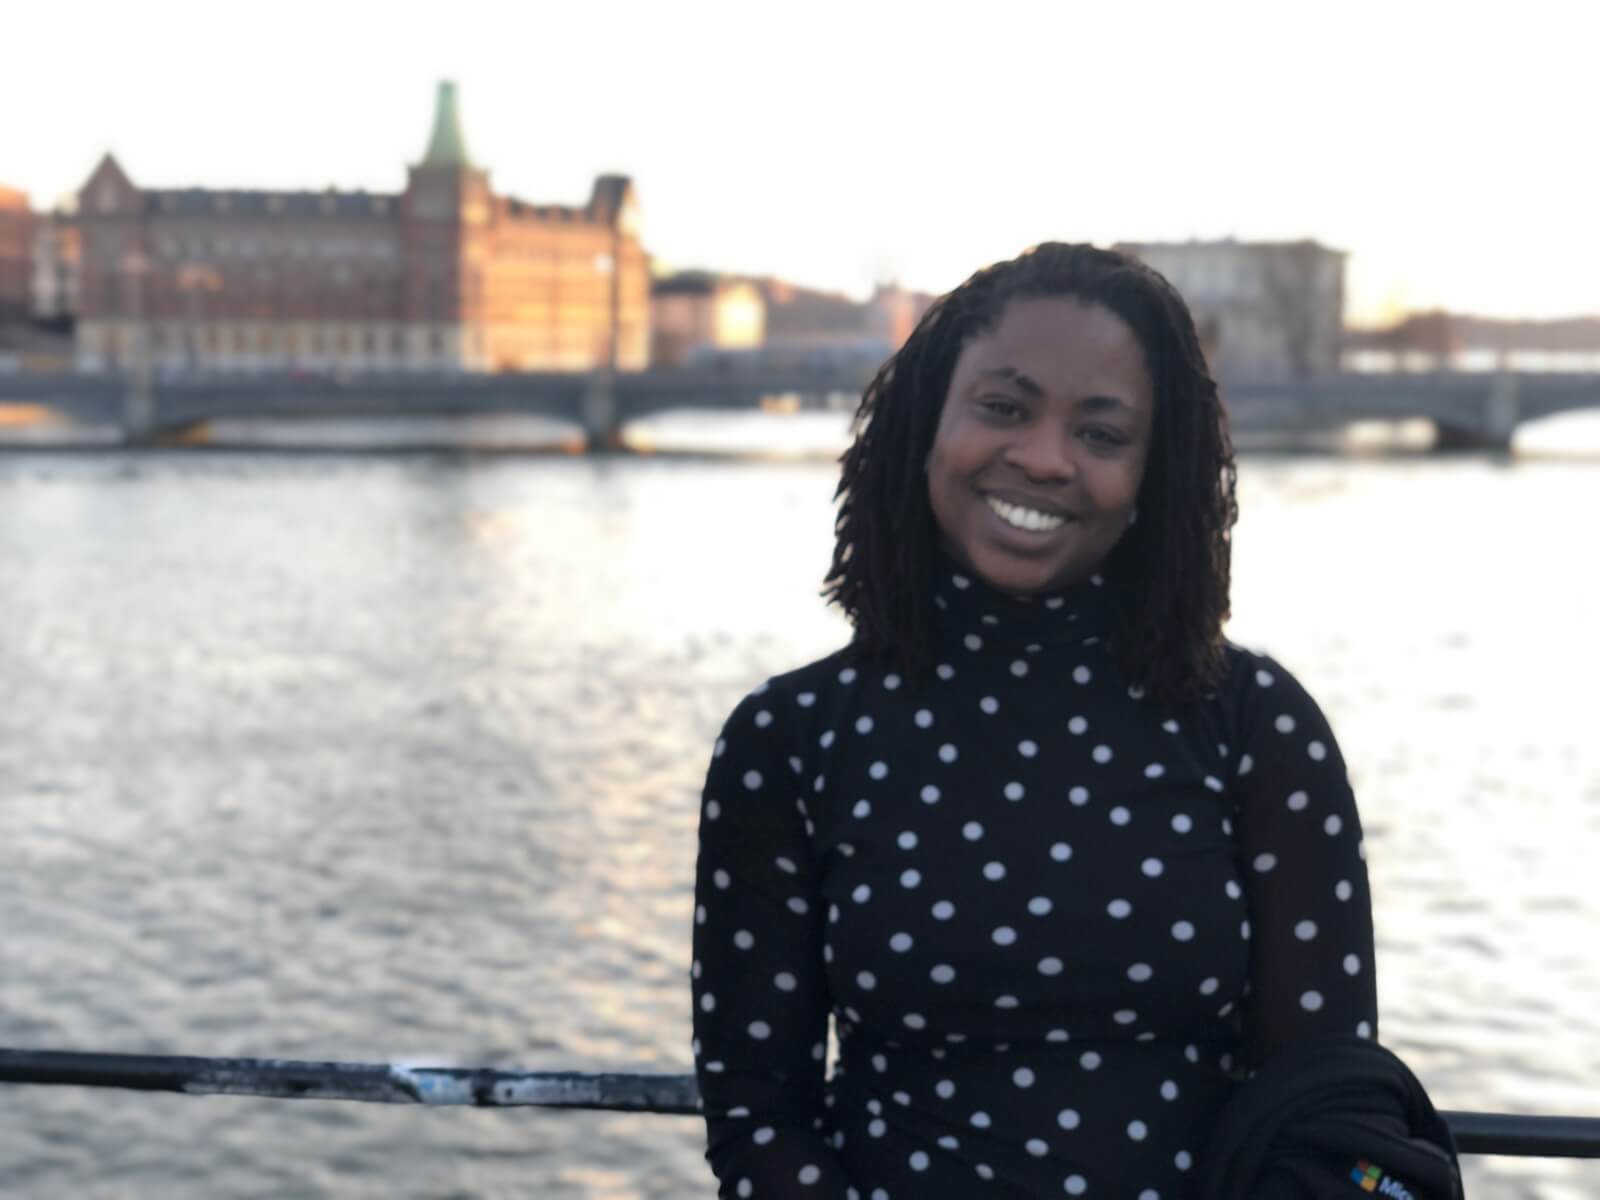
column 443, row 276
column 1264, row 310
column 693, row 313
column 16, row 257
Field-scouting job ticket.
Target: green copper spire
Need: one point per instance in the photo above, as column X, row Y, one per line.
column 446, row 148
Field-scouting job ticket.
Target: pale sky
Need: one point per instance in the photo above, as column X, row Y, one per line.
column 1451, row 147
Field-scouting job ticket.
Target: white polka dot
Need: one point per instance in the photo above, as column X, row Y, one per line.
column 923, row 719
column 763, row 1135
column 862, row 893
column 972, row 642
column 1101, row 753
column 989, row 705
column 1068, row 1118
column 918, row 1160
column 721, row 878
column 907, row 840
column 1037, row 1147
column 1006, row 1002
column 1182, row 823
column 1183, row 931
column 752, row 780
column 1214, row 783
column 878, row 770
column 1050, row 966
column 746, row 1189
column 891, row 682
column 848, row 675
column 1077, row 725
column 760, row 1030
column 943, row 973
column 1209, row 985
column 809, row 1174
column 1081, row 675
column 1061, row 852
column 826, row 739
column 1014, row 791
column 1332, row 826
column 1343, row 890
column 1120, row 815
column 985, row 1171
column 786, row 865
column 943, row 910
column 1183, row 1160
column 1152, row 867
column 1137, row 1130
column 1022, row 1077
column 1305, row 930
column 1019, row 668
column 1079, row 796
column 1317, row 751
column 994, row 871
column 1245, row 764
column 1119, row 908
column 1265, row 862
column 961, row 581
column 1284, row 724
column 980, row 1120
column 743, row 939
column 1076, row 1185
column 763, row 719
column 900, row 942
column 1124, row 1016
column 945, row 671
column 972, row 831
column 798, row 905
column 1364, row 1029
column 863, row 724
column 1311, row 1001
column 708, row 1003
column 1027, row 748
column 948, row 753
column 1352, row 965
column 1233, row 889
column 713, row 810
column 785, row 982
column 1004, row 935
column 1169, row 1090
column 876, row 1128
column 1040, row 906
column 1154, row 771
column 1298, row 801
column 862, row 808
column 944, row 1089
column 930, row 794
column 1089, row 1060
column 915, row 1021
column 1140, row 972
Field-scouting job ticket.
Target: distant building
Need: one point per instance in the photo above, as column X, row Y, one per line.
column 56, row 269
column 446, row 275
column 1264, row 310
column 893, row 312
column 696, row 312
column 16, row 257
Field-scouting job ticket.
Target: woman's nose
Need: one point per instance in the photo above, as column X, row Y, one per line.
column 1043, row 455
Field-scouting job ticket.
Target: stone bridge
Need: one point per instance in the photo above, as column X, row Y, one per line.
column 1469, row 409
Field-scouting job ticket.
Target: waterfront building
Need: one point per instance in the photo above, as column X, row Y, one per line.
column 56, row 259
column 1264, row 310
column 16, row 257
column 694, row 314
column 446, row 275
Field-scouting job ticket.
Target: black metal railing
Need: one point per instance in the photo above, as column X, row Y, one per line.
column 399, row 1083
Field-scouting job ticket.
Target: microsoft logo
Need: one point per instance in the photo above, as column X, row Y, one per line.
column 1370, row 1177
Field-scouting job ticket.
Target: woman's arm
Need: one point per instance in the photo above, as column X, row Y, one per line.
column 760, row 996
column 1303, row 866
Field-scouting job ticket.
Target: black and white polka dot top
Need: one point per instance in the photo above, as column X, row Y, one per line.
column 1051, row 924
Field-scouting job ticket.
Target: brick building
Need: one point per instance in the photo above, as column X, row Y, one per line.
column 16, row 257
column 1264, row 310
column 445, row 275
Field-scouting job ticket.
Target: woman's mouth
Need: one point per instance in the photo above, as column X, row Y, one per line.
column 1021, row 517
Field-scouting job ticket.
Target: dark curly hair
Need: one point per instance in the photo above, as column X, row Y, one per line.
column 1169, row 572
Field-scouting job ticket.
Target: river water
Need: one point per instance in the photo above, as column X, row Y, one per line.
column 396, row 758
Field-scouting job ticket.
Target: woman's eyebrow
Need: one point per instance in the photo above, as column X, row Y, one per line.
column 1013, row 376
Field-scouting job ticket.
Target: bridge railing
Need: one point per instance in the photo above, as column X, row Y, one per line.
column 483, row 1087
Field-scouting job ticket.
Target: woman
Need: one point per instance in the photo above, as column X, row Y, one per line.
column 1061, row 862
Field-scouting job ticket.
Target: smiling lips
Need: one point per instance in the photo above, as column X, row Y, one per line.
column 1031, row 520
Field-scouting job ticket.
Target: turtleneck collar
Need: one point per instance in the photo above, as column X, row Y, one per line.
column 970, row 608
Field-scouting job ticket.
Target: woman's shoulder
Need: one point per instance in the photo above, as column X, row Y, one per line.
column 778, row 698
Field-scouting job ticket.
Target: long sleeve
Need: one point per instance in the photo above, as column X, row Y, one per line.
column 759, row 992
column 1303, row 868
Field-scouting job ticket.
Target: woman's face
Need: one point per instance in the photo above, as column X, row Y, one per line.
column 1041, row 444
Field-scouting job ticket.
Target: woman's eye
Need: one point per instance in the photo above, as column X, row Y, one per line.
column 999, row 406
column 1104, row 437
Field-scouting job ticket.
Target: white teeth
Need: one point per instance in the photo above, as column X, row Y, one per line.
column 1025, row 518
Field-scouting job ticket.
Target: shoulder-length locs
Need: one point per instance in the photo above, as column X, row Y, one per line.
column 1170, row 571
